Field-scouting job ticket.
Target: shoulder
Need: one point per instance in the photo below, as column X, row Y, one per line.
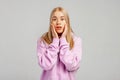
column 76, row 38
column 41, row 41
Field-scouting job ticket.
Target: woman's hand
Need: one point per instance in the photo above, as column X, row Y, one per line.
column 54, row 33
column 65, row 31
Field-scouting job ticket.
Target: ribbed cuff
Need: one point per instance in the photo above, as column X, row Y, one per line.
column 55, row 41
column 63, row 41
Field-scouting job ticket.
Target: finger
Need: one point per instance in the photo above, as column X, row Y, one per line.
column 51, row 28
column 65, row 29
column 53, row 31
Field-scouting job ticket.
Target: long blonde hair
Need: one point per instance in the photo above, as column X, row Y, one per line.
column 48, row 35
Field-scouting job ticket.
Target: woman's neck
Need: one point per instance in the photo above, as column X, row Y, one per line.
column 59, row 35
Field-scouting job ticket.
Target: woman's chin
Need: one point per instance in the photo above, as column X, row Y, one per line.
column 59, row 32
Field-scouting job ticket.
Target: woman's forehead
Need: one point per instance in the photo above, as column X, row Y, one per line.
column 58, row 14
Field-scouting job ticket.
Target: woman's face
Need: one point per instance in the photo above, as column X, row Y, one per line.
column 58, row 20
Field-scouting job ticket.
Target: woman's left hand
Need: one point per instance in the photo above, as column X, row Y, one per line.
column 65, row 31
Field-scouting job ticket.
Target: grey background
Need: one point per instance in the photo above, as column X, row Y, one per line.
column 97, row 22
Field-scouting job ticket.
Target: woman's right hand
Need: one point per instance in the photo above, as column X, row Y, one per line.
column 54, row 33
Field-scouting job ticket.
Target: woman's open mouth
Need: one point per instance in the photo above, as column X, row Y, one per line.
column 58, row 27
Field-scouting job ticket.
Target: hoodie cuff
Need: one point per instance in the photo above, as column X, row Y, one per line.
column 63, row 41
column 55, row 42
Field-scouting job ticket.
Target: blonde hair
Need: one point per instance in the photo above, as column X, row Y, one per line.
column 48, row 35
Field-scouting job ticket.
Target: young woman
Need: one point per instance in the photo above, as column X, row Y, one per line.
column 59, row 50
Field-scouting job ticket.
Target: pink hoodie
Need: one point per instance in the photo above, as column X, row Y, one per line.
column 57, row 61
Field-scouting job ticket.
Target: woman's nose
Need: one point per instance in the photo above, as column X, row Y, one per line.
column 58, row 22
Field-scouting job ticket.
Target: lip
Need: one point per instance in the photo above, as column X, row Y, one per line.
column 58, row 27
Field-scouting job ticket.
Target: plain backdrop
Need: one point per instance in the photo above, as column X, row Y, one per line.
column 97, row 22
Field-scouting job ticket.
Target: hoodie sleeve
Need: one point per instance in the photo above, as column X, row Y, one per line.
column 71, row 58
column 47, row 55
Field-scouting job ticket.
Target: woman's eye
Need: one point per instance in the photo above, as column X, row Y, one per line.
column 54, row 19
column 62, row 19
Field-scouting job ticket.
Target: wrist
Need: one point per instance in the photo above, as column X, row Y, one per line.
column 63, row 36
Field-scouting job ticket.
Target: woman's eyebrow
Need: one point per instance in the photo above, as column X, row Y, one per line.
column 63, row 16
column 60, row 17
column 53, row 16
